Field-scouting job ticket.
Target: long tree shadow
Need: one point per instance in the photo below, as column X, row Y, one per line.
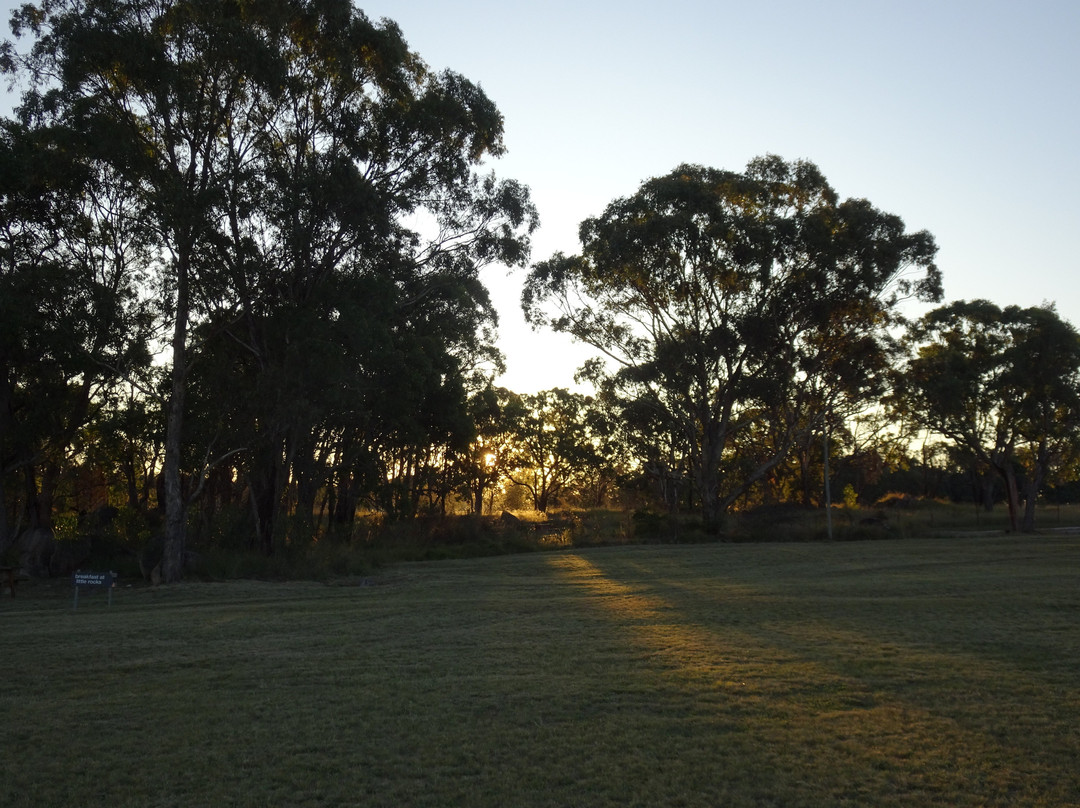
column 863, row 705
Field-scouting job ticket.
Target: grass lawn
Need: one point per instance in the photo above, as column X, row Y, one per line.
column 887, row 673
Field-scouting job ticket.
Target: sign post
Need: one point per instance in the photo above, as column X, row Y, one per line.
column 93, row 579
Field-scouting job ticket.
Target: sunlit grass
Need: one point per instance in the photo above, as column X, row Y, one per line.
column 886, row 673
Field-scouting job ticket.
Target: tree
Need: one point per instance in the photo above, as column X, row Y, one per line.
column 72, row 324
column 554, row 445
column 363, row 140
column 1002, row 384
column 495, row 412
column 155, row 87
column 722, row 301
column 278, row 151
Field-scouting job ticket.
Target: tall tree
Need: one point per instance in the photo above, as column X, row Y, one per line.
column 72, row 323
column 365, row 143
column 1002, row 384
column 275, row 146
column 723, row 300
column 154, row 86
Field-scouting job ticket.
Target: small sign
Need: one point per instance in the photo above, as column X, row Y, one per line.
column 93, row 580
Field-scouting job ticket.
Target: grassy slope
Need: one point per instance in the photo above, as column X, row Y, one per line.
column 885, row 673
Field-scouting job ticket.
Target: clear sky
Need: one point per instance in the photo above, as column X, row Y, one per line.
column 962, row 117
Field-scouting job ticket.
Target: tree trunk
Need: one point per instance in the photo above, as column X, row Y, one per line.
column 1031, row 496
column 128, row 467
column 38, row 542
column 6, row 539
column 712, row 504
column 305, row 474
column 1032, row 485
column 329, row 506
column 707, row 476
column 264, row 510
column 175, row 539
column 540, row 500
column 985, row 490
column 6, row 536
column 343, row 509
column 1013, row 493
column 478, row 495
column 712, row 514
column 805, row 482
column 39, row 497
column 267, row 483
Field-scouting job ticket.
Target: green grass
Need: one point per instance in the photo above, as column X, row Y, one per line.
column 886, row 673
column 896, row 518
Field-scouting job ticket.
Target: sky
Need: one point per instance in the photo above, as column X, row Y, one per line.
column 961, row 117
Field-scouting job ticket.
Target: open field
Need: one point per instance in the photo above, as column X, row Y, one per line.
column 884, row 673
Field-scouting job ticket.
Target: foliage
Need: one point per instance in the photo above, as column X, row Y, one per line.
column 73, row 323
column 557, row 447
column 489, row 457
column 734, row 311
column 1002, row 385
column 316, row 216
column 292, row 210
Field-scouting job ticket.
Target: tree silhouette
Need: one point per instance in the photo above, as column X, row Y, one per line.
column 726, row 303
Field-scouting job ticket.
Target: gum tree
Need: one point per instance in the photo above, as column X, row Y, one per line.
column 72, row 324
column 727, row 303
column 1003, row 385
column 554, row 445
column 152, row 88
column 278, row 151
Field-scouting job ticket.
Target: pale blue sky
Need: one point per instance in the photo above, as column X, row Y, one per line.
column 961, row 117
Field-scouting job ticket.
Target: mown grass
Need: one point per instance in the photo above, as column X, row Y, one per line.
column 885, row 673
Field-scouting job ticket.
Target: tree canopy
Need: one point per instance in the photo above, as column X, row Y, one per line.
column 241, row 300
column 293, row 163
column 1002, row 384
column 727, row 303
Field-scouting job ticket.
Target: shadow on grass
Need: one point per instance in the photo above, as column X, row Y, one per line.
column 842, row 708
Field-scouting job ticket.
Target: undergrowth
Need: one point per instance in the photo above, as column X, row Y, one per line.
column 131, row 547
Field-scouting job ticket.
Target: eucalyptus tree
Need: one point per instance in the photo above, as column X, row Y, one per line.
column 152, row 87
column 724, row 300
column 554, row 445
column 275, row 146
column 72, row 324
column 1001, row 384
column 369, row 207
column 495, row 413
